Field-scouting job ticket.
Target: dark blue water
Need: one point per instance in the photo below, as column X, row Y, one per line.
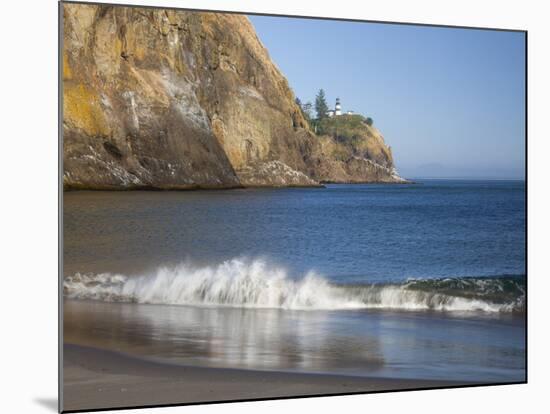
column 349, row 233
column 463, row 242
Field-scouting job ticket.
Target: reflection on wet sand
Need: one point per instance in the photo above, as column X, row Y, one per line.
column 224, row 337
column 424, row 345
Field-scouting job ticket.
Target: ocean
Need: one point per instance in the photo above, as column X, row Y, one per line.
column 422, row 280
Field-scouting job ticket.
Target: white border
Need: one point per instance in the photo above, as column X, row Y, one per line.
column 29, row 203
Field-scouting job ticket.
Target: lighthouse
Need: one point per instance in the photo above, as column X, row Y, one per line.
column 337, row 107
column 337, row 111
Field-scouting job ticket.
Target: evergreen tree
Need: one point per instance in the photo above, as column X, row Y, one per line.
column 369, row 121
column 321, row 106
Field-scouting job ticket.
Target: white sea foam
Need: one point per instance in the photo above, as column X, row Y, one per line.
column 257, row 284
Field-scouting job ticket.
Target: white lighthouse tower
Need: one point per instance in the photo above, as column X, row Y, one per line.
column 337, row 107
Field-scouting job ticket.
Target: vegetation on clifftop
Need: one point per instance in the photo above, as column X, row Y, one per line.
column 343, row 128
column 321, row 106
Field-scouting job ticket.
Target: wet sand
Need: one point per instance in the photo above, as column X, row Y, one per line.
column 96, row 378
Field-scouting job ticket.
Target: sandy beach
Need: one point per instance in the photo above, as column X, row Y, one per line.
column 96, row 378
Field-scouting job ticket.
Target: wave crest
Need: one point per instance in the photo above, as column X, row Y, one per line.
column 244, row 283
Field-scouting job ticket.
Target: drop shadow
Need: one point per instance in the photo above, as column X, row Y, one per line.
column 49, row 403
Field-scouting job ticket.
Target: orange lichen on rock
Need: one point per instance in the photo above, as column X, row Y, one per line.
column 82, row 109
column 67, row 73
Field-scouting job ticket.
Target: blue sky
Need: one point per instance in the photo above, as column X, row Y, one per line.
column 450, row 102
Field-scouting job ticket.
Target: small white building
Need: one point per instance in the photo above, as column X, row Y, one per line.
column 337, row 111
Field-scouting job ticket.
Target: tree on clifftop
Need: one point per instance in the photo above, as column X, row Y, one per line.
column 321, row 106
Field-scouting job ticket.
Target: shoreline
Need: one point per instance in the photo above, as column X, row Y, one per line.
column 96, row 378
column 404, row 182
column 321, row 185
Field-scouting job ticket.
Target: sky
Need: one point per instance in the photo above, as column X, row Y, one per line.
column 449, row 102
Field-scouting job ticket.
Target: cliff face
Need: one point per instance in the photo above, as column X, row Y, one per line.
column 353, row 151
column 175, row 99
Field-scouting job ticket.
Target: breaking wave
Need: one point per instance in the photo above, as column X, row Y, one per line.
column 256, row 284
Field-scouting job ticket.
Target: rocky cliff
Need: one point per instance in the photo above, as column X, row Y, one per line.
column 171, row 99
